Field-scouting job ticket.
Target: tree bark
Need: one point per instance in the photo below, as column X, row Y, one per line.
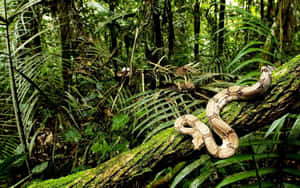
column 283, row 28
column 70, row 28
column 221, row 27
column 270, row 11
column 248, row 5
column 113, row 34
column 158, row 40
column 64, row 11
column 196, row 29
column 180, row 4
column 171, row 36
column 212, row 20
column 262, row 10
column 169, row 147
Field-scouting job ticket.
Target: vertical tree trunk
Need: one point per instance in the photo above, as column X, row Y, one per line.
column 246, row 38
column 287, row 24
column 157, row 29
column 221, row 27
column 179, row 4
column 197, row 17
column 64, row 11
column 282, row 28
column 212, row 20
column 171, row 35
column 215, row 27
column 248, row 4
column 262, row 9
column 270, row 11
column 113, row 34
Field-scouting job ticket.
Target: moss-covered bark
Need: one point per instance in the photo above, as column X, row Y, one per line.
column 170, row 147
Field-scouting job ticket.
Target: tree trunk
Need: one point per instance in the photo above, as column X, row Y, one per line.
column 221, row 27
column 179, row 4
column 270, row 11
column 212, row 20
column 113, row 35
column 64, row 11
column 246, row 38
column 283, row 28
column 262, row 10
column 158, row 40
column 134, row 167
column 196, row 29
column 248, row 5
column 171, row 36
column 215, row 27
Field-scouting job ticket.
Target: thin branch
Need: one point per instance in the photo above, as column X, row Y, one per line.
column 132, row 52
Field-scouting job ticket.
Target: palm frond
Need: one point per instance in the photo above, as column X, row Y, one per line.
column 156, row 110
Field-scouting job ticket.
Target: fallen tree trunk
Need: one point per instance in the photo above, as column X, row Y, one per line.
column 169, row 147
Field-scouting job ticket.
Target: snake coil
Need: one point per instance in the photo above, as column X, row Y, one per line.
column 201, row 133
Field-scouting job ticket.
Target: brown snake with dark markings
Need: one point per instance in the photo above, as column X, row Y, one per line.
column 201, row 133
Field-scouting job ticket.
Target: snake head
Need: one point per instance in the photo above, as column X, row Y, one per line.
column 267, row 68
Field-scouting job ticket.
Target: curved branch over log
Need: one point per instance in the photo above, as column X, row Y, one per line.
column 169, row 147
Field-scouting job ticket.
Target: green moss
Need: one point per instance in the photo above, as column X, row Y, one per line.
column 282, row 70
column 231, row 110
column 58, row 183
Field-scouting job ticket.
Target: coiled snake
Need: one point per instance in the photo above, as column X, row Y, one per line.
column 201, row 133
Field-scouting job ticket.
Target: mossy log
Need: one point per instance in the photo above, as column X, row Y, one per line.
column 168, row 147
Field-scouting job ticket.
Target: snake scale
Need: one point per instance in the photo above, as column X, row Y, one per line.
column 201, row 133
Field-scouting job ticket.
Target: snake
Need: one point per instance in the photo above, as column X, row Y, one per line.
column 201, row 133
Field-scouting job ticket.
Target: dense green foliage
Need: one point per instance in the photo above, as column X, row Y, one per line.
column 97, row 78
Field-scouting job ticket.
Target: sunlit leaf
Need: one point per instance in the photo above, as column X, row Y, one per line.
column 188, row 169
column 275, row 125
column 244, row 175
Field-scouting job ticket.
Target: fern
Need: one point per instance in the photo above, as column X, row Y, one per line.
column 256, row 167
column 156, row 110
column 8, row 131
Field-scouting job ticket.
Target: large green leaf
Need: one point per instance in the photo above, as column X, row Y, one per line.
column 188, row 169
column 295, row 130
column 263, row 184
column 277, row 124
column 205, row 173
column 244, row 157
column 244, row 175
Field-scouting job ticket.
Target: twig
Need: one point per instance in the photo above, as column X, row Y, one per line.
column 132, row 52
column 119, row 90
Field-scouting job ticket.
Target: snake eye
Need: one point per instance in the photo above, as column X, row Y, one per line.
column 264, row 69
